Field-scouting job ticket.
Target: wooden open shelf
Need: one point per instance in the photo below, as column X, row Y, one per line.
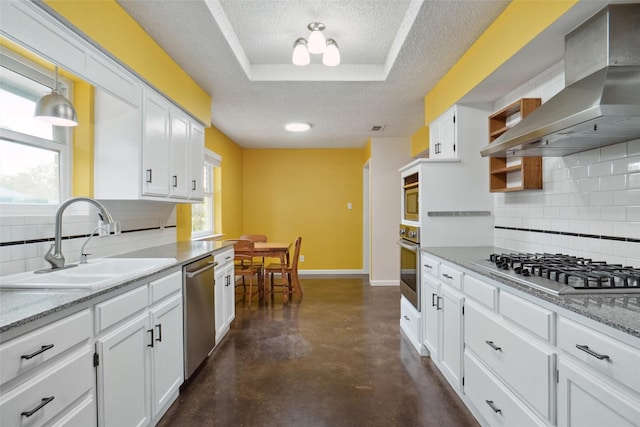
column 501, row 168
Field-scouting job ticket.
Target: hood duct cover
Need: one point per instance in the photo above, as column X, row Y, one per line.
column 600, row 104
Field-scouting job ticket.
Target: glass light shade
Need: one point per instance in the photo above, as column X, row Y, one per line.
column 300, row 53
column 317, row 42
column 297, row 127
column 55, row 109
column 331, row 56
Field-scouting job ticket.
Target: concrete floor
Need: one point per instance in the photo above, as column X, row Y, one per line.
column 336, row 358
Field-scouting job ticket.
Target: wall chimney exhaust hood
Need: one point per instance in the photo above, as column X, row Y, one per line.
column 600, row 104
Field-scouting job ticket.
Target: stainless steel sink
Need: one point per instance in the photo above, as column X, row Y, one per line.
column 96, row 274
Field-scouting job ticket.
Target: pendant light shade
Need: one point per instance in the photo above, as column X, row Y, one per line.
column 317, row 42
column 300, row 53
column 55, row 109
column 331, row 56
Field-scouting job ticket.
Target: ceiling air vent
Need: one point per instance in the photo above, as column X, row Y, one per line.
column 378, row 128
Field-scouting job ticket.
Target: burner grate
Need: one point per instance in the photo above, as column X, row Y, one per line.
column 577, row 272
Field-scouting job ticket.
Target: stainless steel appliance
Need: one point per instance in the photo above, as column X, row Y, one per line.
column 563, row 274
column 600, row 104
column 409, row 261
column 199, row 312
column 411, row 198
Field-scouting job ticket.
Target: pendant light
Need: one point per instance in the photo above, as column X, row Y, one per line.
column 300, row 53
column 331, row 56
column 55, row 109
column 317, row 42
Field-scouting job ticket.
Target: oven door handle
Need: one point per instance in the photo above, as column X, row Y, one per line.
column 413, row 248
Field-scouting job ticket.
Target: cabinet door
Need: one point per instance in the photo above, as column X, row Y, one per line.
column 430, row 311
column 180, row 178
column 124, row 375
column 196, row 162
column 451, row 335
column 448, row 135
column 168, row 369
column 155, row 146
column 585, row 400
column 220, row 301
column 230, row 294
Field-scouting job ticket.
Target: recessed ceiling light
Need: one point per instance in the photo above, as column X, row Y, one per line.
column 297, row 127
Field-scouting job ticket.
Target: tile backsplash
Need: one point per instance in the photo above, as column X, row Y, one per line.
column 590, row 202
column 24, row 240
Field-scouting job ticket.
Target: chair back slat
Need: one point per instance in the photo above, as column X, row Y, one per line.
column 296, row 253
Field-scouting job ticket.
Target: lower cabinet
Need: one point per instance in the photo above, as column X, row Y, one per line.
column 139, row 351
column 225, row 304
column 410, row 323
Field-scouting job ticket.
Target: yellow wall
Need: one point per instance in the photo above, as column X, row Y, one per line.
column 420, row 141
column 83, row 140
column 110, row 26
column 516, row 26
column 230, row 179
column 290, row 193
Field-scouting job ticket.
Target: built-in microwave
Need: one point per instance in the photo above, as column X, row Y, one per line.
column 411, row 206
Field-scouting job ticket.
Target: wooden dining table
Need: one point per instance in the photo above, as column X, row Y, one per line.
column 274, row 250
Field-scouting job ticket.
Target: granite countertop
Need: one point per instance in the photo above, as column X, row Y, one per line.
column 19, row 307
column 619, row 311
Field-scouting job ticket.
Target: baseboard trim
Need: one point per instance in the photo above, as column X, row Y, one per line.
column 328, row 272
column 384, row 282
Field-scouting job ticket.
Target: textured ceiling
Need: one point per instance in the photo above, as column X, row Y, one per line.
column 393, row 52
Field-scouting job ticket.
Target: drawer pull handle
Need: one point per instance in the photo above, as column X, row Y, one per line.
column 151, row 343
column 159, row 326
column 406, row 318
column 175, row 181
column 37, row 352
column 193, row 184
column 45, row 400
column 438, row 307
column 447, row 276
column 587, row 350
column 428, row 266
column 493, row 346
column 433, row 300
column 493, row 406
column 149, row 176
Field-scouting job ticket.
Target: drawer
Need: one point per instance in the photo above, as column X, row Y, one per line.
column 494, row 402
column 166, row 286
column 31, row 350
column 525, row 364
column 481, row 291
column 621, row 363
column 66, row 382
column 531, row 317
column 430, row 265
column 81, row 415
column 450, row 276
column 223, row 257
column 410, row 320
column 110, row 312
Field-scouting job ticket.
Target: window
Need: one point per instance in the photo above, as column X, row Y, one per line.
column 34, row 156
column 202, row 215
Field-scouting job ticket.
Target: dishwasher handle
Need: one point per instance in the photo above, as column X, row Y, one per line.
column 193, row 274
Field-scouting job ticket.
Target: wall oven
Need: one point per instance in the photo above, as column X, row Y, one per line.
column 409, row 264
column 411, row 198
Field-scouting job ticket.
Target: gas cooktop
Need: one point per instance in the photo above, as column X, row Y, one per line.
column 563, row 274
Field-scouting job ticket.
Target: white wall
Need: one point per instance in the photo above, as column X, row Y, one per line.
column 387, row 156
column 24, row 240
column 590, row 202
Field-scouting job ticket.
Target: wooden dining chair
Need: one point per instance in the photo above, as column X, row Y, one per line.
column 290, row 270
column 255, row 238
column 245, row 266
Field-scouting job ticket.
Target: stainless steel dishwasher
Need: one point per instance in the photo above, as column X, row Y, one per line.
column 198, row 282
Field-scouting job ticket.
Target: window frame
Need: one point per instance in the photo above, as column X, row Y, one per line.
column 214, row 160
column 62, row 141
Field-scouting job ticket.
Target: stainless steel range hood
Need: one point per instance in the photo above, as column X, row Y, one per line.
column 600, row 104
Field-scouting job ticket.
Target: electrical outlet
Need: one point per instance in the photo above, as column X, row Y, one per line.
column 349, row 206
column 301, row 258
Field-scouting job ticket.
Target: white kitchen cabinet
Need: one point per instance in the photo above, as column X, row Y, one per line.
column 140, row 352
column 167, row 355
column 196, row 162
column 179, row 158
column 225, row 305
column 155, row 144
column 410, row 323
column 586, row 399
column 442, row 321
column 442, row 136
column 454, row 134
column 48, row 375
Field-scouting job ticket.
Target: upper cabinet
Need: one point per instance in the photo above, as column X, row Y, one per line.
column 455, row 130
column 145, row 147
column 513, row 173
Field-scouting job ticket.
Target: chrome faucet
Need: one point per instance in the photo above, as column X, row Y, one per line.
column 54, row 255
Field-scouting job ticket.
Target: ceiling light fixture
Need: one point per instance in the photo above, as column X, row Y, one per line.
column 297, row 127
column 55, row 109
column 317, row 45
